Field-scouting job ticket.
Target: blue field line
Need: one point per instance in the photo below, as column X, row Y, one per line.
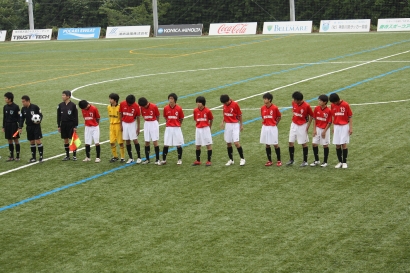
column 252, row 79
column 187, row 144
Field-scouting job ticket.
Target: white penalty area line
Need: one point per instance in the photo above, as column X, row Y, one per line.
column 220, row 106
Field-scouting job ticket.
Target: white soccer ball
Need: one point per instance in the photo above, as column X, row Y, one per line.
column 36, row 118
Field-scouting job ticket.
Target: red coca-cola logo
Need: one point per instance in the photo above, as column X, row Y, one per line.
column 232, row 29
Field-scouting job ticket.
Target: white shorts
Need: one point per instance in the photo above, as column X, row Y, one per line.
column 203, row 136
column 92, row 133
column 318, row 139
column 269, row 135
column 231, row 133
column 341, row 134
column 173, row 136
column 129, row 131
column 298, row 132
column 151, row 131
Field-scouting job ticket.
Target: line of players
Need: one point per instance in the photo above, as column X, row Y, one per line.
column 124, row 121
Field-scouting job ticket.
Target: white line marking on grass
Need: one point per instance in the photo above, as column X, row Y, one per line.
column 217, row 107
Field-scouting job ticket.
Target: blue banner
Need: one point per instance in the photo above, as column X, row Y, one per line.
column 78, row 33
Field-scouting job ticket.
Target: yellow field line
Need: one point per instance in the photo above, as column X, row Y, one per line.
column 62, row 77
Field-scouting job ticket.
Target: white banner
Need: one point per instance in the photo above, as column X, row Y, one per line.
column 395, row 24
column 287, row 27
column 233, row 29
column 3, row 34
column 31, row 35
column 361, row 25
column 128, row 32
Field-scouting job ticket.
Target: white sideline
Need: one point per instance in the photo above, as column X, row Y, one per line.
column 214, row 108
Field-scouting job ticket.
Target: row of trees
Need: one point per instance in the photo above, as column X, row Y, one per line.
column 88, row 13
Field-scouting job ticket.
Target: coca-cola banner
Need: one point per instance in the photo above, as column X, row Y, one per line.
column 180, row 30
column 233, row 29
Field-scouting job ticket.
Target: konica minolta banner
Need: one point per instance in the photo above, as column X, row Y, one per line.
column 180, row 30
column 79, row 33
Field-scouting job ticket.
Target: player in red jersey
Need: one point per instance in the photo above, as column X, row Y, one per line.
column 233, row 125
column 342, row 126
column 203, row 118
column 129, row 112
column 301, row 120
column 174, row 116
column 269, row 133
column 322, row 117
column 92, row 129
column 150, row 114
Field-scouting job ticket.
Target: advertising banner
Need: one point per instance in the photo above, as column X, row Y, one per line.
column 128, row 32
column 398, row 24
column 233, row 29
column 287, row 27
column 361, row 25
column 31, row 35
column 3, row 34
column 78, row 33
column 180, row 30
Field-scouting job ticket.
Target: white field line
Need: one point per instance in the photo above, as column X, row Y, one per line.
column 214, row 108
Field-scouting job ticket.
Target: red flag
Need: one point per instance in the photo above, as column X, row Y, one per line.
column 75, row 142
column 16, row 133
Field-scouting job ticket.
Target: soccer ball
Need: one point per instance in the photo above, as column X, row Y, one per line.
column 36, row 118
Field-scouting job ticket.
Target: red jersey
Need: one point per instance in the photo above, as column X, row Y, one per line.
column 202, row 117
column 322, row 116
column 301, row 112
column 173, row 116
column 232, row 112
column 270, row 115
column 341, row 113
column 129, row 113
column 91, row 115
column 151, row 113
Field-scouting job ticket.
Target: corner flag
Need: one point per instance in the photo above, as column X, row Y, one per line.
column 75, row 142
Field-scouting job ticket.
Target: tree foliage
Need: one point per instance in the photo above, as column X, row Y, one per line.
column 103, row 13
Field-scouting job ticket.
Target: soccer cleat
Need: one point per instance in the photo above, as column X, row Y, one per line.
column 208, row 163
column 32, row 160
column 158, row 162
column 344, row 165
column 290, row 162
column 338, row 165
column 279, row 163
column 97, row 160
column 163, row 162
column 242, row 162
column 316, row 163
column 229, row 163
column 87, row 159
column 122, row 160
column 304, row 164
column 74, row 158
column 138, row 160
column 67, row 158
column 114, row 159
column 269, row 163
column 196, row 163
column 40, row 160
column 145, row 162
column 17, row 159
column 10, row 159
column 179, row 162
column 324, row 164
column 130, row 160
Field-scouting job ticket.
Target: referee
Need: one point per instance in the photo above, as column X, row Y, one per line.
column 33, row 130
column 11, row 116
column 67, row 122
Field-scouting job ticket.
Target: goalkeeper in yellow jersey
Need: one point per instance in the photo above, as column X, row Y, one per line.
column 115, row 128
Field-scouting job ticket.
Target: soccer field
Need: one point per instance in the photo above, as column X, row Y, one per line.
column 110, row 217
